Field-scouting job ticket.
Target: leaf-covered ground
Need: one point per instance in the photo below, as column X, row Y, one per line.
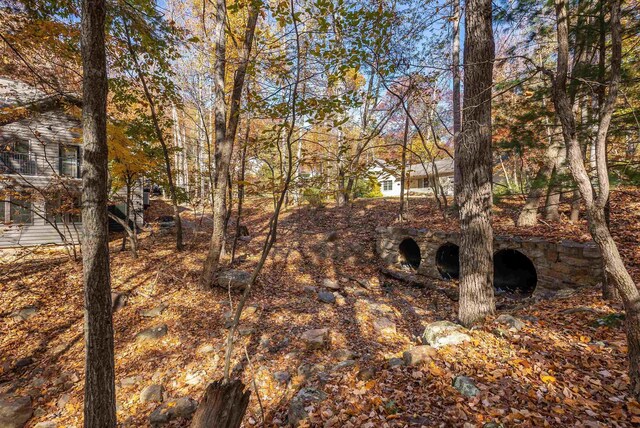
column 563, row 369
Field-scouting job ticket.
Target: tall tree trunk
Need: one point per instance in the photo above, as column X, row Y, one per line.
column 99, row 387
column 159, row 135
column 552, row 204
column 475, row 197
column 457, row 125
column 529, row 214
column 225, row 135
column 403, row 171
column 243, row 163
column 595, row 197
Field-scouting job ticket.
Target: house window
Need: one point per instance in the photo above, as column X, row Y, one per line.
column 20, row 212
column 17, row 158
column 69, row 157
column 2, row 211
column 67, row 210
column 387, row 185
column 423, row 183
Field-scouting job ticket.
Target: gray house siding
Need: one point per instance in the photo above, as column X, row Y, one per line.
column 40, row 169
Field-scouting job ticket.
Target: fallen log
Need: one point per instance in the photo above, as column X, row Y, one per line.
column 416, row 281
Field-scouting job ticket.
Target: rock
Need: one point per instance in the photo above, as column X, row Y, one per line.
column 332, row 236
column 366, row 374
column 326, row 297
column 344, row 354
column 195, row 378
column 154, row 312
column 343, row 364
column 14, row 411
column 152, row 333
column 330, row 284
column 384, row 326
column 282, row 377
column 152, row 394
column 206, row 348
column 23, row 362
column 466, row 386
column 300, row 401
column 512, row 322
column 418, row 355
column 246, row 331
column 131, row 380
column 395, row 362
column 24, row 313
column 118, row 300
column 493, row 425
column 310, row 289
column 247, row 313
column 316, row 338
column 173, row 409
column 443, row 333
column 237, row 280
column 63, row 401
column 500, row 332
column 340, row 300
column 46, row 424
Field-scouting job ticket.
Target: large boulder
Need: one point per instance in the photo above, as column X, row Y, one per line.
column 316, row 338
column 235, row 279
column 173, row 409
column 14, row 411
column 443, row 333
column 297, row 408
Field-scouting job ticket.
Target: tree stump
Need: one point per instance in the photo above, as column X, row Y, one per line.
column 222, row 406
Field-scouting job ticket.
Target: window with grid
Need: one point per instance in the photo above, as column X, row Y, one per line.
column 387, row 185
column 69, row 161
column 20, row 211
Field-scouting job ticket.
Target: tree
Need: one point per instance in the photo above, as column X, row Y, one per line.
column 225, row 134
column 474, row 197
column 131, row 21
column 99, row 389
column 595, row 196
column 455, row 65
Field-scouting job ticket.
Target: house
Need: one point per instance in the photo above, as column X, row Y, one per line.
column 419, row 177
column 40, row 167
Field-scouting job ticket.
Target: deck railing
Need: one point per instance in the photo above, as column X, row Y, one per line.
column 18, row 163
column 30, row 164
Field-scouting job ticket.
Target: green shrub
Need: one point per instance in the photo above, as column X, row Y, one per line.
column 368, row 188
column 313, row 196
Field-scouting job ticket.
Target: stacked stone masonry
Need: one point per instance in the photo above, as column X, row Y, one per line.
column 567, row 264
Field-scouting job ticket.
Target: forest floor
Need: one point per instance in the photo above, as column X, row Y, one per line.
column 566, row 367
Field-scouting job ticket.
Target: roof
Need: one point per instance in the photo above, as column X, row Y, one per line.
column 18, row 99
column 443, row 167
column 14, row 93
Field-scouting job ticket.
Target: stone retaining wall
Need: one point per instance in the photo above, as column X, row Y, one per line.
column 568, row 264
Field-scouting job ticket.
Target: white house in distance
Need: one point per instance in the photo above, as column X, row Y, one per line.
column 40, row 165
column 419, row 177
